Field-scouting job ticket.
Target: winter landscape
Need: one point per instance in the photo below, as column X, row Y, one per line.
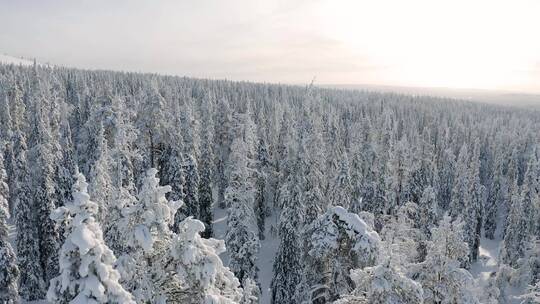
column 127, row 182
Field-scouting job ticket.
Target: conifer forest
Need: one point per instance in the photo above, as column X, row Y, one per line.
column 120, row 187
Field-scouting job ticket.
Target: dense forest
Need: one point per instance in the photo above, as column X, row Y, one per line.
column 110, row 184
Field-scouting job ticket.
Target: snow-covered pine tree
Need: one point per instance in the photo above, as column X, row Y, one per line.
column 402, row 239
column 6, row 125
column 281, row 154
column 341, row 188
column 311, row 154
column 461, row 197
column 32, row 284
column 191, row 205
column 147, row 236
column 172, row 160
column 87, row 274
column 495, row 199
column 287, row 269
column 122, row 178
column 512, row 193
column 6, row 146
column 527, row 271
column 163, row 267
column 385, row 284
column 442, row 278
column 197, row 264
column 338, row 242
column 223, row 140
column 190, row 166
column 428, row 208
column 530, row 194
column 466, row 203
column 241, row 239
column 172, row 173
column 101, row 187
column 45, row 198
column 151, row 120
column 67, row 167
column 206, row 199
column 9, row 272
column 396, row 176
column 447, row 176
column 473, row 213
column 532, row 296
column 262, row 186
column 516, row 236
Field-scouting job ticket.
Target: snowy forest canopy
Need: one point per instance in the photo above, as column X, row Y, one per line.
column 110, row 184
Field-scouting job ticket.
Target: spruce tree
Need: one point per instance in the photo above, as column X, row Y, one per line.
column 262, row 186
column 223, row 140
column 101, row 187
column 287, row 268
column 9, row 272
column 206, row 200
column 341, row 188
column 32, row 283
column 441, row 276
column 87, row 274
column 338, row 242
column 241, row 239
column 45, row 195
column 67, row 167
column 191, row 187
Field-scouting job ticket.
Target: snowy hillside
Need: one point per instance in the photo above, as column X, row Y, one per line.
column 5, row 59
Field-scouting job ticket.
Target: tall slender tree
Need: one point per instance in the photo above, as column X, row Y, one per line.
column 9, row 272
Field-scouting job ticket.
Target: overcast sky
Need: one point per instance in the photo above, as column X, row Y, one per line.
column 491, row 44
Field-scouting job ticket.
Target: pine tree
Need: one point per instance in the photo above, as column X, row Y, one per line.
column 262, row 186
column 396, row 176
column 122, row 179
column 67, row 168
column 530, row 194
column 341, row 188
column 32, row 284
column 206, row 200
column 101, row 188
column 310, row 150
column 516, row 236
column 385, row 284
column 442, row 279
column 494, row 201
column 474, row 212
column 45, row 198
column 86, row 263
column 147, row 239
column 287, row 263
column 223, row 141
column 151, row 120
column 241, row 239
column 191, row 187
column 9, row 272
column 532, row 296
column 429, row 211
column 338, row 242
column 196, row 261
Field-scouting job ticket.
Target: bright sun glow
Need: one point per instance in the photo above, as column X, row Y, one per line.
column 475, row 44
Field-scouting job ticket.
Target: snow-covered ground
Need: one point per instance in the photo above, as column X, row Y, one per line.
column 267, row 251
column 14, row 60
column 220, row 229
column 488, row 261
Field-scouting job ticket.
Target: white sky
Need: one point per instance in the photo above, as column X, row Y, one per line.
column 487, row 44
